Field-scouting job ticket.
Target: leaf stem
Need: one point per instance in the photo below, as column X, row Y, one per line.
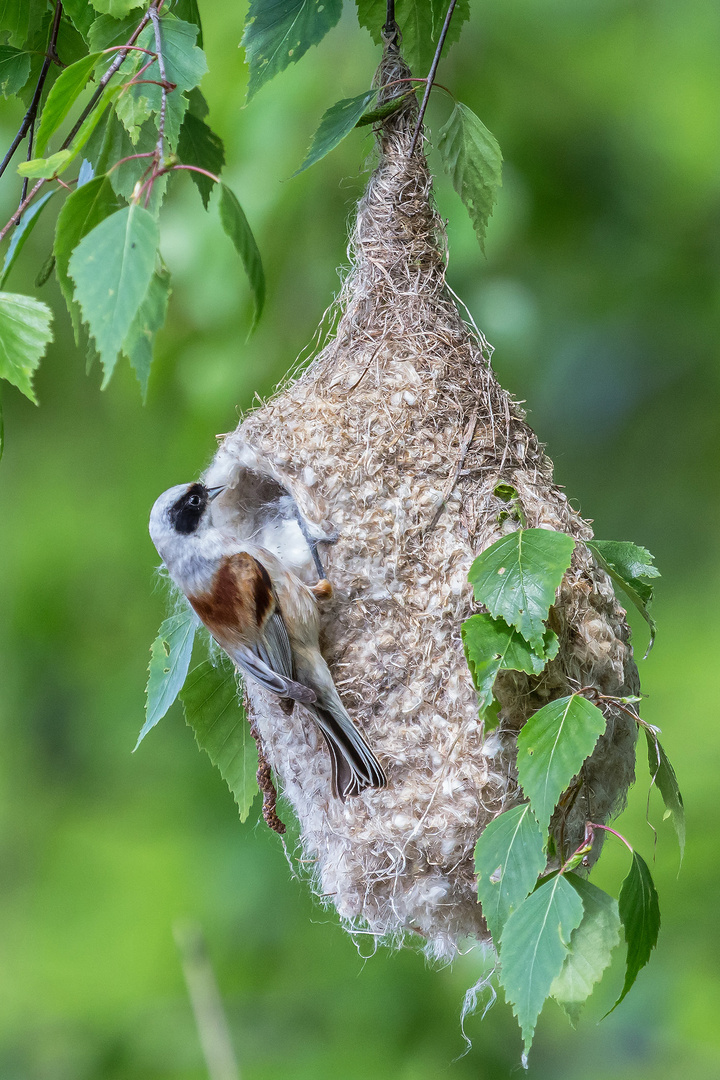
column 29, row 118
column 21, row 208
column 431, row 76
column 606, row 828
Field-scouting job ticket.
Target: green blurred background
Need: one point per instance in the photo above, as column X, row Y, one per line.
column 600, row 293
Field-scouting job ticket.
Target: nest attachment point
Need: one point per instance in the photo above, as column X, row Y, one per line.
column 399, row 434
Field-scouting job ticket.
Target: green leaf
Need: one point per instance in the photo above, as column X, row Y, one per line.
column 116, row 8
column 24, row 336
column 420, row 22
column 82, row 211
column 630, row 567
column 133, row 109
column 15, row 18
column 533, row 948
column 213, row 711
column 337, row 122
column 23, row 229
column 279, row 32
column 81, row 14
column 170, row 655
column 552, row 746
column 374, row 116
column 138, row 345
column 237, row 228
column 508, row 859
column 199, row 145
column 591, row 947
column 640, row 916
column 107, row 32
column 491, row 645
column 188, row 11
column 111, row 268
column 473, row 160
column 516, row 578
column 64, row 93
column 663, row 775
column 14, row 69
column 45, row 168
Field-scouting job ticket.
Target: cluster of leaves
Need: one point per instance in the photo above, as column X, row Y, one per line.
column 555, row 932
column 111, row 86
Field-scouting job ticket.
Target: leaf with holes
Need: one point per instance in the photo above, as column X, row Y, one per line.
column 591, row 947
column 238, row 229
column 213, row 711
column 473, row 160
column 420, row 23
column 516, row 578
column 15, row 19
column 534, row 946
column 63, row 95
column 279, row 32
column 170, row 655
column 552, row 747
column 138, row 345
column 509, row 857
column 663, row 776
column 631, row 568
column 84, row 208
column 14, row 69
column 111, row 268
column 199, row 145
column 24, row 335
column 640, row 915
column 337, row 122
column 491, row 646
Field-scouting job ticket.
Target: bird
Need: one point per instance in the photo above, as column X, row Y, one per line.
column 264, row 617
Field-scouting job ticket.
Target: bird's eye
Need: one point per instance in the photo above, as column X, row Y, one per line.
column 194, row 500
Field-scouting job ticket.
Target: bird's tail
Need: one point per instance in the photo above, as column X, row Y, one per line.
column 354, row 766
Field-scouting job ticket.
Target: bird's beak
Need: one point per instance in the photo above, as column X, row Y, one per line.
column 215, row 491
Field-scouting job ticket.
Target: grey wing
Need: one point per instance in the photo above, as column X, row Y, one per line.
column 270, row 662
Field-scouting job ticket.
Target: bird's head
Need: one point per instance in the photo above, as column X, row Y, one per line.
column 181, row 512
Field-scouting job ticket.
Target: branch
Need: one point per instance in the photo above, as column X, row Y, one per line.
column 29, row 118
column 160, row 147
column 206, row 1003
column 431, row 76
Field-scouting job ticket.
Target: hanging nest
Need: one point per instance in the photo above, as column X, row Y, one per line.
column 399, row 435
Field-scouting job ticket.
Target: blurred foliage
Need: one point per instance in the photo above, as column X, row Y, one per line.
column 600, row 293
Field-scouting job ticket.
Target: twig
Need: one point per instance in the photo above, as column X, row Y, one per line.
column 391, row 30
column 206, row 1003
column 29, row 118
column 160, row 147
column 431, row 76
column 21, row 208
column 28, row 157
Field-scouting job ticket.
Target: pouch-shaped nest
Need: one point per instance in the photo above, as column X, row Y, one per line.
column 399, row 435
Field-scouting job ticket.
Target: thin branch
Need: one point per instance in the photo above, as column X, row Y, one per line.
column 391, row 30
column 20, row 210
column 29, row 118
column 28, row 157
column 431, row 76
column 160, row 147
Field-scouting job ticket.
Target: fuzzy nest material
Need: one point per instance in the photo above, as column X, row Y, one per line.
column 398, row 434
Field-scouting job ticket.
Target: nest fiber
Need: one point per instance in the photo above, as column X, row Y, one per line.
column 399, row 435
